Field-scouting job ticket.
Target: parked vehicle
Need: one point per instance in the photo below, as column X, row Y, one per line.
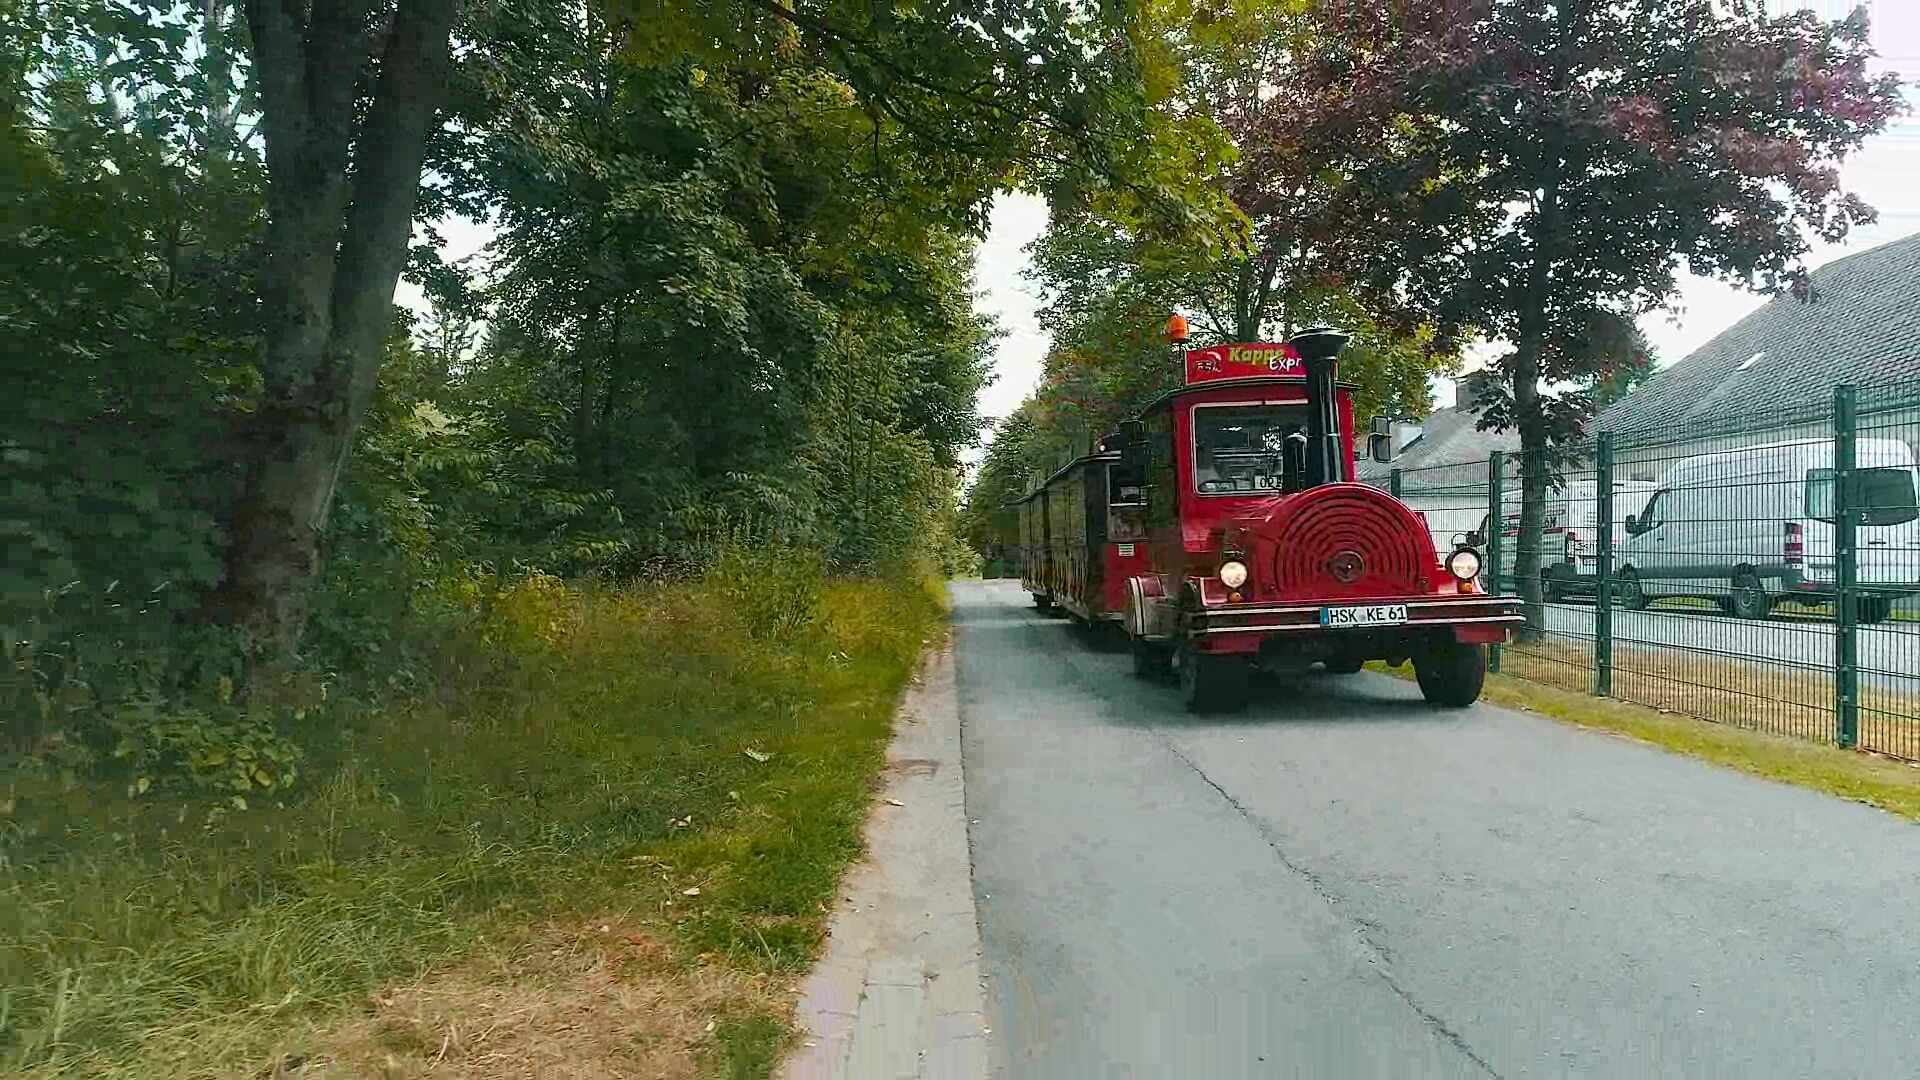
column 1570, row 540
column 1260, row 551
column 1751, row 528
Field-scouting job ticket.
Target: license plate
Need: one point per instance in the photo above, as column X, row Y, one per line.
column 1374, row 615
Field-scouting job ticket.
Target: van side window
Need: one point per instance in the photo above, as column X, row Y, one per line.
column 1884, row 496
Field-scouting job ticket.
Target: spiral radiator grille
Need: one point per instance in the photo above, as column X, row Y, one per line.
column 1347, row 540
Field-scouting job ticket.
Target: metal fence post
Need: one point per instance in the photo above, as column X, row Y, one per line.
column 1393, row 483
column 1496, row 525
column 1603, row 571
column 1846, row 601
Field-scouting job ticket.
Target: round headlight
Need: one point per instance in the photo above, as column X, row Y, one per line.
column 1233, row 574
column 1464, row 564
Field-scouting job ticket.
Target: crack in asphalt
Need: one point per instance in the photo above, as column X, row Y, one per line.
column 1382, row 965
column 1364, row 929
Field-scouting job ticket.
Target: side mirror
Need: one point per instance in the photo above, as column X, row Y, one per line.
column 1633, row 525
column 1380, row 447
column 1380, row 425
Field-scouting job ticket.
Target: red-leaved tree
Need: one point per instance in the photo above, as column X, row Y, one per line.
column 1545, row 169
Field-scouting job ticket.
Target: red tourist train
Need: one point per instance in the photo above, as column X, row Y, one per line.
column 1222, row 529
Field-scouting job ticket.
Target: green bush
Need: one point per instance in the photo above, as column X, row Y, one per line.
column 773, row 589
column 126, row 692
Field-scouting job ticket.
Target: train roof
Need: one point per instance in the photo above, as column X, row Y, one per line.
column 1248, row 382
column 1084, row 459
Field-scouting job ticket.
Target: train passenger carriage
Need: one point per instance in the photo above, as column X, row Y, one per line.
column 1082, row 536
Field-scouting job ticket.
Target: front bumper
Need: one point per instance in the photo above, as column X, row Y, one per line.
column 1427, row 612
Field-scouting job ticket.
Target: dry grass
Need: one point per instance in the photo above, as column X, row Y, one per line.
column 1889, row 784
column 1772, row 698
column 593, row 1001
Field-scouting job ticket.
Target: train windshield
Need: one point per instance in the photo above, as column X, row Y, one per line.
column 1238, row 448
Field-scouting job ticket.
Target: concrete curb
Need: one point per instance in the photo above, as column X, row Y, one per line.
column 897, row 995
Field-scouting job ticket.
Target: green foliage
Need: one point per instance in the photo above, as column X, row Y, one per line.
column 724, row 295
column 774, row 590
column 1548, row 170
column 578, row 751
column 105, row 686
column 1110, row 282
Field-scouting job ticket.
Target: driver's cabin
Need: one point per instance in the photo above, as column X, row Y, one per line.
column 1242, row 429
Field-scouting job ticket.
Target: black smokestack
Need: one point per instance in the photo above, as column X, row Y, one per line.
column 1319, row 347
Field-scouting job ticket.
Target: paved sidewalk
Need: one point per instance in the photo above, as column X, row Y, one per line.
column 898, row 996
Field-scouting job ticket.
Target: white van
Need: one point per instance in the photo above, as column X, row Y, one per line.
column 1750, row 528
column 1570, row 538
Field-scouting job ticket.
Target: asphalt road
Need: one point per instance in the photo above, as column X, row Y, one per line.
column 1889, row 652
column 1341, row 882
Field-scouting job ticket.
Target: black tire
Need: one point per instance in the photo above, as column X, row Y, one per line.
column 1748, row 599
column 1150, row 661
column 1344, row 665
column 1451, row 674
column 1627, row 591
column 1725, row 604
column 1874, row 609
column 1042, row 602
column 1213, row 684
column 1550, row 591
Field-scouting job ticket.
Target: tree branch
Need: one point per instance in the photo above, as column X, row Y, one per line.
column 386, row 183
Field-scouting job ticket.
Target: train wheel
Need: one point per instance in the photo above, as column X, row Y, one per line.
column 1150, row 661
column 1210, row 684
column 1451, row 674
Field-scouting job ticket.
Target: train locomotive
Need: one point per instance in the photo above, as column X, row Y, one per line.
column 1223, row 530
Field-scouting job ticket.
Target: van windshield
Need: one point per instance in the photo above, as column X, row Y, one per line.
column 1884, row 496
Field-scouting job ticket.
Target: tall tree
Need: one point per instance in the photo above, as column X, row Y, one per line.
column 1053, row 95
column 1555, row 166
column 348, row 92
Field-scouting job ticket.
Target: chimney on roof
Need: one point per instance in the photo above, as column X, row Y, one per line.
column 1469, row 388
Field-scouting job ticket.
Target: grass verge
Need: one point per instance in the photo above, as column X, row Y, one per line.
column 1889, row 784
column 1775, row 698
column 604, row 846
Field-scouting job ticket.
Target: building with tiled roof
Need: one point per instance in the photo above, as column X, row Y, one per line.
column 1442, row 467
column 1859, row 324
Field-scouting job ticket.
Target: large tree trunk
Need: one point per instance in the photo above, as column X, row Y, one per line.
column 1535, row 476
column 1535, row 469
column 343, row 176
